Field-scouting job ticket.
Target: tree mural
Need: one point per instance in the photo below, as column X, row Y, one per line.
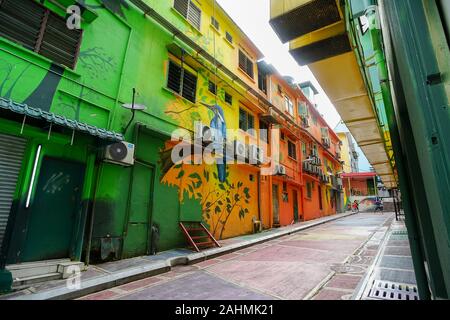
column 6, row 70
column 115, row 6
column 98, row 65
column 219, row 200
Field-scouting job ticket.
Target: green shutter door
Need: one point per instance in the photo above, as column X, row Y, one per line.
column 11, row 150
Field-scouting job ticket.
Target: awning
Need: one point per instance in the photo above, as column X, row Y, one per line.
column 59, row 120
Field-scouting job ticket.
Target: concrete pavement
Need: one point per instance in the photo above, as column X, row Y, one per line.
column 116, row 273
column 327, row 261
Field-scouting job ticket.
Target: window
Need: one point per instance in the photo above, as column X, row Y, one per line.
column 262, row 81
column 40, row 30
column 245, row 64
column 309, row 190
column 215, row 23
column 314, row 118
column 302, row 109
column 246, row 120
column 289, row 105
column 182, row 81
column 212, row 87
column 228, row 98
column 229, row 37
column 264, row 131
column 292, row 152
column 304, row 151
column 280, row 90
column 190, row 11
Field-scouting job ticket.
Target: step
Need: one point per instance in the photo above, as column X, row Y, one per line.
column 20, row 283
column 31, row 269
column 195, row 229
column 66, row 269
column 199, row 237
column 202, row 244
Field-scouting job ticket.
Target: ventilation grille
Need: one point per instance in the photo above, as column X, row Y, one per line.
column 305, row 19
column 387, row 290
column 322, row 50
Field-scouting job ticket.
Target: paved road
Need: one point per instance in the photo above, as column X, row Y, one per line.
column 292, row 267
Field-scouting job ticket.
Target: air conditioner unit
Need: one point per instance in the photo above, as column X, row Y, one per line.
column 256, row 155
column 204, row 132
column 240, row 151
column 121, row 153
column 281, row 170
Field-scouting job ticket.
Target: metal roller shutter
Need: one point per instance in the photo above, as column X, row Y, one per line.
column 12, row 150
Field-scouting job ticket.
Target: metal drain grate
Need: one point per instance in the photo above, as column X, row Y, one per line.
column 387, row 290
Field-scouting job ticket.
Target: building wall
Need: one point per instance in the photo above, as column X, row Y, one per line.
column 121, row 49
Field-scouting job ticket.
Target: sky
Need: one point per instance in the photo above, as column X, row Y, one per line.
column 253, row 17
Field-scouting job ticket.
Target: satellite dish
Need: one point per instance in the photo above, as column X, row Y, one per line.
column 136, row 106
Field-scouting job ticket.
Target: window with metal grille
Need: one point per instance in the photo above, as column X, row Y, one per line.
column 190, row 11
column 246, row 120
column 245, row 64
column 215, row 23
column 229, row 37
column 292, row 152
column 38, row 29
column 182, row 81
column 212, row 87
column 228, row 98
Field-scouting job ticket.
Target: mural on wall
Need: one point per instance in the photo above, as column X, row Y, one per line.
column 99, row 64
column 221, row 189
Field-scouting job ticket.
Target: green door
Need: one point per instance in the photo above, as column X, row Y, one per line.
column 137, row 233
column 54, row 211
column 276, row 205
column 295, row 199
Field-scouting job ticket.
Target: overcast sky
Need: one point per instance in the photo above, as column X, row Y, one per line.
column 253, row 17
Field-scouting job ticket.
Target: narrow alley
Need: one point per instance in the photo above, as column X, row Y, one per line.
column 335, row 256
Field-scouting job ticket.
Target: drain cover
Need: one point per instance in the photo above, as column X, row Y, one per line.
column 387, row 290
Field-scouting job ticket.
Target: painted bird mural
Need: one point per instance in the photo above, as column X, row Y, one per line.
column 219, row 125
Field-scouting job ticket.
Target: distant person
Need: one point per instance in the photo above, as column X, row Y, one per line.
column 379, row 205
column 355, row 206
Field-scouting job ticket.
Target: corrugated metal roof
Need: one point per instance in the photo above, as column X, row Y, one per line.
column 59, row 120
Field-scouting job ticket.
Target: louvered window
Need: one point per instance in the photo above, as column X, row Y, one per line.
column 292, row 152
column 190, row 11
column 228, row 98
column 246, row 120
column 182, row 81
column 229, row 37
column 215, row 23
column 245, row 64
column 37, row 28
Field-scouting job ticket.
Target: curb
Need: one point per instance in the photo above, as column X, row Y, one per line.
column 133, row 274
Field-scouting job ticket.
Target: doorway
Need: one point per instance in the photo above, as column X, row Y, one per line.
column 320, row 198
column 55, row 210
column 295, row 199
column 276, row 205
column 137, row 240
